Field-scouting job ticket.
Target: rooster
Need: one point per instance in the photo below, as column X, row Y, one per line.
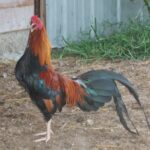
column 50, row 91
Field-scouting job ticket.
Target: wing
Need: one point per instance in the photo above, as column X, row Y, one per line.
column 37, row 86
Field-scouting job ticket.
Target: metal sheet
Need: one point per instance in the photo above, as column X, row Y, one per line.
column 68, row 18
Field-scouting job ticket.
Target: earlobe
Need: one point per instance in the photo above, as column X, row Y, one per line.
column 40, row 25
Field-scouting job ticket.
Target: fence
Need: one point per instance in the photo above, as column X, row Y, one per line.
column 67, row 18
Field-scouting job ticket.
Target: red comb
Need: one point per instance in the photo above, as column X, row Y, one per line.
column 34, row 18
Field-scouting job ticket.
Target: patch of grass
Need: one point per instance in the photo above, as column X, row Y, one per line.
column 130, row 41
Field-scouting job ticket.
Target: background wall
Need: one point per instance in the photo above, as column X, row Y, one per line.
column 67, row 18
column 14, row 23
column 15, row 14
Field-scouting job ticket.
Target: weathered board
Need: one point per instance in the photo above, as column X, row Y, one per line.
column 15, row 14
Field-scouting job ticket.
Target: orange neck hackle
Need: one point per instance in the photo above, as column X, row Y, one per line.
column 41, row 47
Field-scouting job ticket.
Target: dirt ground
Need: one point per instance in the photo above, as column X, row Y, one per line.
column 74, row 129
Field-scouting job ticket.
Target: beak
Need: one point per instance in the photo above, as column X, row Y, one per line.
column 32, row 28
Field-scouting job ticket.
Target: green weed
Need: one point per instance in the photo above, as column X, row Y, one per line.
column 129, row 41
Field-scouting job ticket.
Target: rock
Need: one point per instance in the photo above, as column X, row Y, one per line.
column 5, row 75
column 90, row 122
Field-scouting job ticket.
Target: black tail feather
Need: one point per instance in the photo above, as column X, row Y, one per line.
column 121, row 110
column 118, row 77
column 135, row 95
column 100, row 86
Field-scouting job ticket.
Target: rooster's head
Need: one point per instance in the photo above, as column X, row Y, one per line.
column 36, row 24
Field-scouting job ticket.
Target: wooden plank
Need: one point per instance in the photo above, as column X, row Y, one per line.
column 40, row 9
column 15, row 18
column 37, row 7
column 15, row 3
column 43, row 11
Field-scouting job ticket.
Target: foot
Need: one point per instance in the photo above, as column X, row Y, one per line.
column 47, row 135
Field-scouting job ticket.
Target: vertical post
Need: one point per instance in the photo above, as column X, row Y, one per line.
column 37, row 7
column 40, row 9
column 43, row 11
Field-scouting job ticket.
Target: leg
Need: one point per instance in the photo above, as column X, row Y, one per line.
column 49, row 131
column 47, row 134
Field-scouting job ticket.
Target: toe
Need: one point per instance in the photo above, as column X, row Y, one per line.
column 40, row 134
column 40, row 140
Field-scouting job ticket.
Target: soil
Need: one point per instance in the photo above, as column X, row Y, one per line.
column 74, row 129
